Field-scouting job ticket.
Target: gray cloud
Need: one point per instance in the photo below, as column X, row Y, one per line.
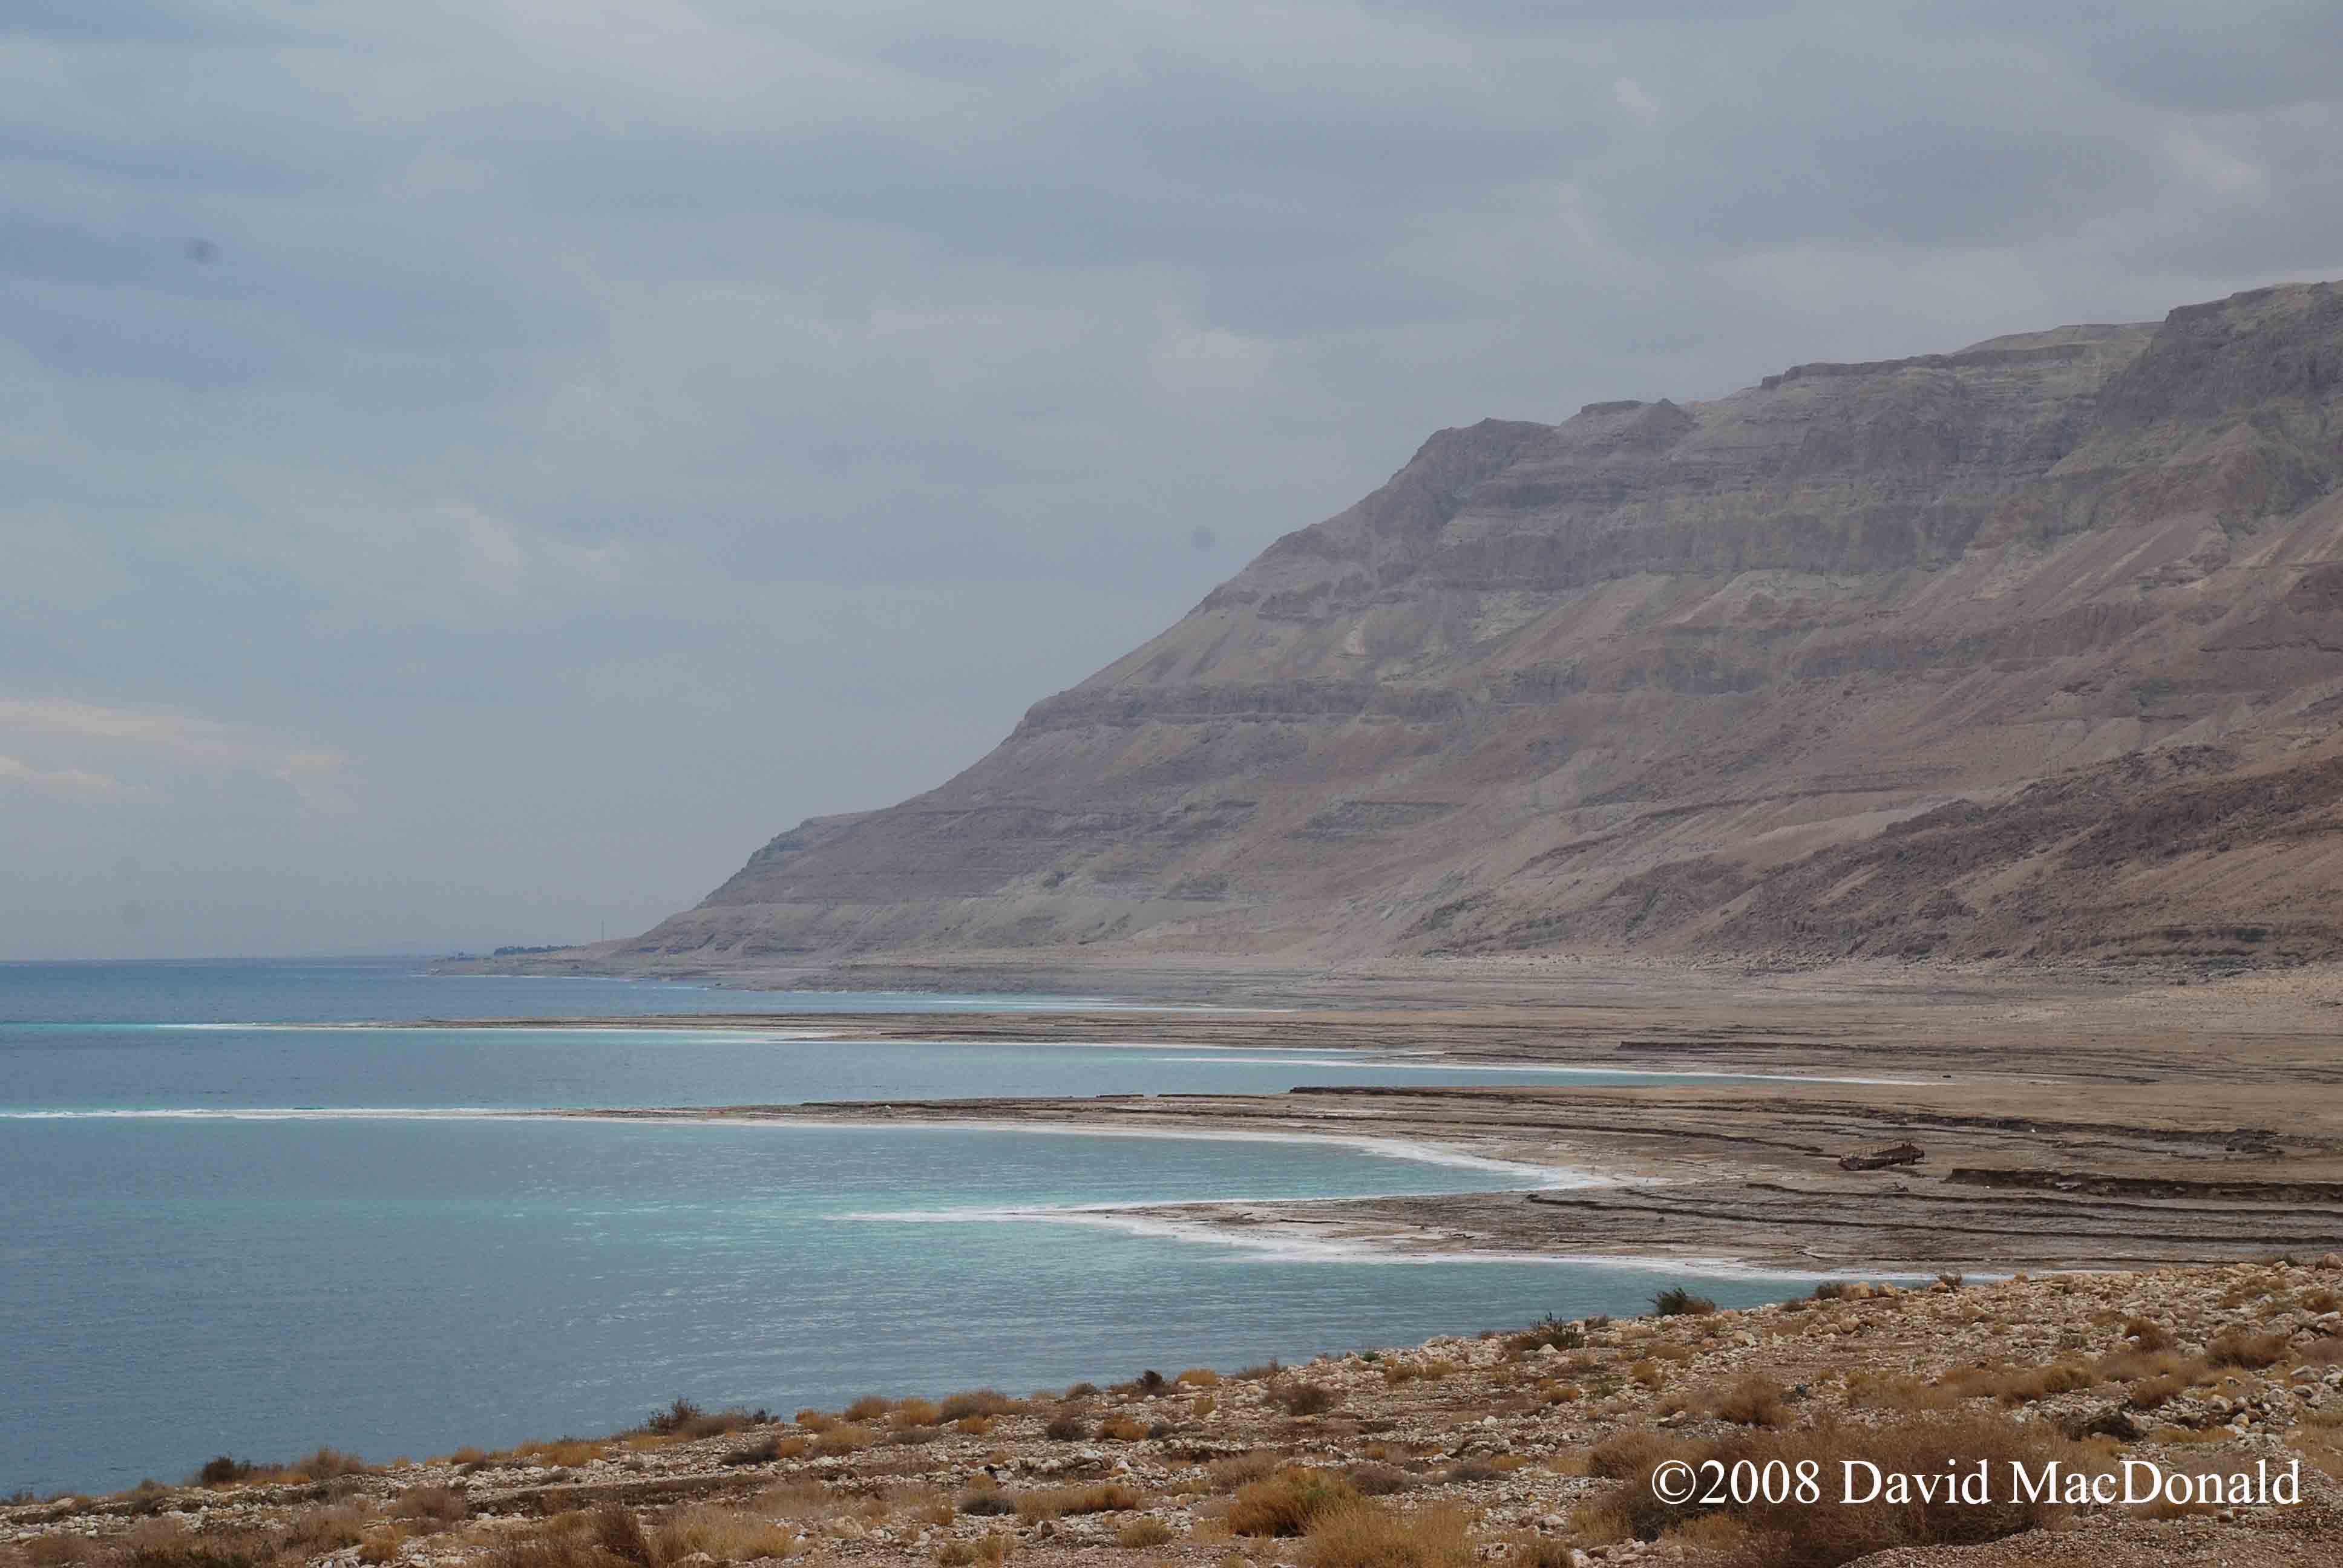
column 610, row 433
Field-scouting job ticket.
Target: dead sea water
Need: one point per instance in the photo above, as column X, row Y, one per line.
column 181, row 1277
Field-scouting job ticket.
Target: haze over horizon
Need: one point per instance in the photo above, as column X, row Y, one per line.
column 475, row 473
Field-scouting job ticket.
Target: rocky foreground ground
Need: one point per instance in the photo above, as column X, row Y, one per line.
column 1539, row 1447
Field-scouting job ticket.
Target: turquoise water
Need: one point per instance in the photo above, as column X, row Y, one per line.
column 174, row 1285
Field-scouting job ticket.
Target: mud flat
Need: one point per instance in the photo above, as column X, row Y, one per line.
column 2066, row 1122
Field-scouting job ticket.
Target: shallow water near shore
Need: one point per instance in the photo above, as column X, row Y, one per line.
column 174, row 1285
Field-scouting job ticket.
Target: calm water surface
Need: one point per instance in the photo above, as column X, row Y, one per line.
column 178, row 1278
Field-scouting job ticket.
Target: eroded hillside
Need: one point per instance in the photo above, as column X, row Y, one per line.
column 2031, row 650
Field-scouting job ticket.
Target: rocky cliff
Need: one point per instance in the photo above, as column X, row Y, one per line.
column 2032, row 649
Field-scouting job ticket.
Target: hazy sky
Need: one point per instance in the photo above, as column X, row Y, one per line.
column 471, row 472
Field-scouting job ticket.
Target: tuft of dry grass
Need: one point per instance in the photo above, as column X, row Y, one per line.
column 2028, row 1384
column 977, row 1402
column 727, row 1535
column 434, row 1506
column 1629, row 1453
column 1198, row 1377
column 1228, row 1474
column 1361, row 1535
column 1286, row 1502
column 869, row 1407
column 1899, row 1391
column 1067, row 1427
column 840, row 1440
column 1100, row 1497
column 2241, row 1348
column 1753, row 1401
column 1144, row 1531
column 1121, row 1428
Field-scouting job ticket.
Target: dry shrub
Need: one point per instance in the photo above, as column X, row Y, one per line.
column 727, row 1535
column 1228, row 1474
column 683, row 1419
column 1559, row 1333
column 2024, row 1387
column 2156, row 1392
column 1302, row 1397
column 909, row 1436
column 563, row 1550
column 1676, row 1301
column 2321, row 1447
column 2326, row 1351
column 1399, row 1371
column 58, row 1551
column 1373, row 1479
column 2251, row 1350
column 440, row 1505
column 1067, row 1427
column 1203, row 1404
column 1121, row 1428
column 1792, row 1534
column 1629, row 1453
column 568, row 1452
column 166, row 1543
column 223, row 1470
column 1897, row 1391
column 977, row 1402
column 815, row 1420
column 1648, row 1373
column 1674, row 1355
column 2147, row 1334
column 842, row 1439
column 1753, row 1401
column 1199, row 1377
column 869, row 1407
column 317, row 1531
column 381, row 1545
column 1472, row 1473
column 1143, row 1532
column 1100, row 1497
column 915, row 1412
column 975, row 1426
column 1285, row 1503
column 1360, row 1534
column 797, row 1499
column 618, row 1532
